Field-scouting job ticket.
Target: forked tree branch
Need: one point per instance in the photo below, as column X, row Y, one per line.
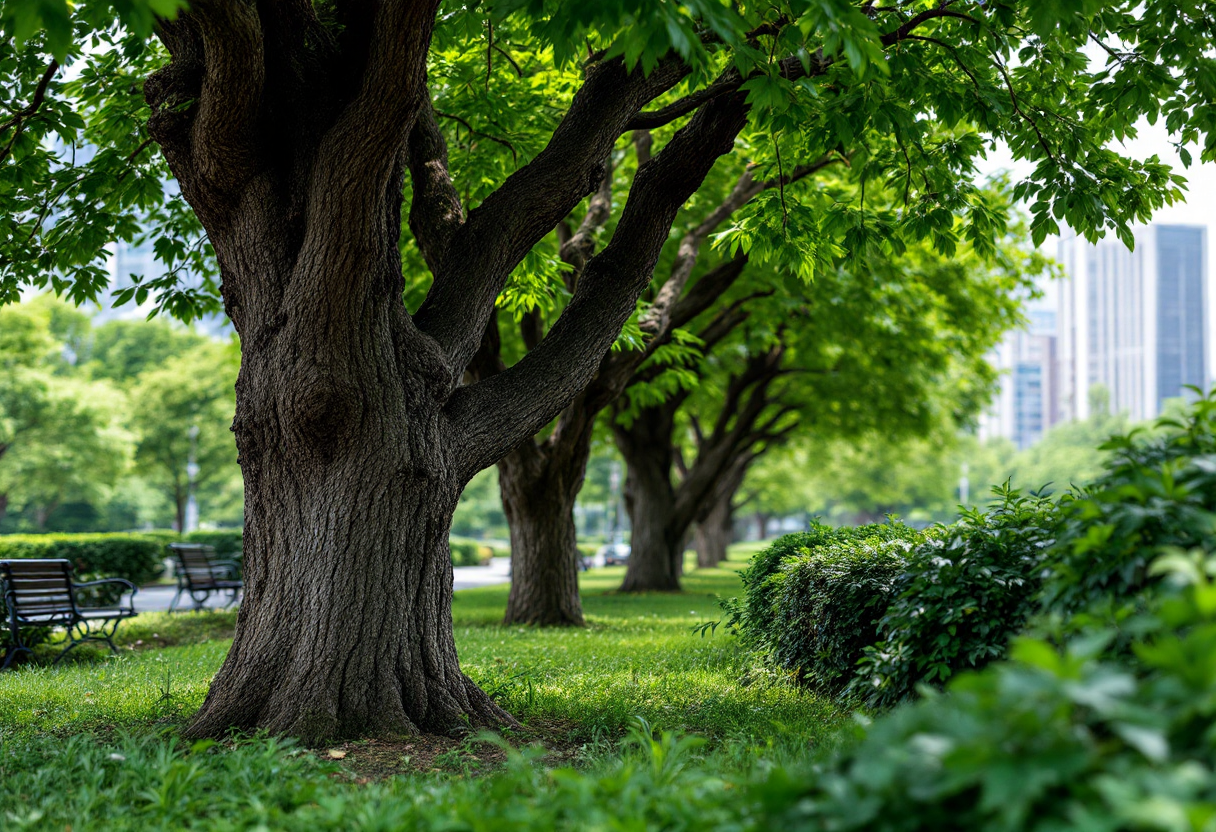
column 359, row 153
column 496, row 414
column 746, row 399
column 234, row 79
column 531, row 202
column 205, row 103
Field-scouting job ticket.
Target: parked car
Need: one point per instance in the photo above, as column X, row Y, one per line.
column 613, row 554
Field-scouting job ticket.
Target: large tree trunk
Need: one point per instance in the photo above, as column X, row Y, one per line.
column 538, row 494
column 714, row 533
column 354, row 434
column 345, row 628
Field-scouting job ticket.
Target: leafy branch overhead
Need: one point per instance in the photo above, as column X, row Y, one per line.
column 913, row 91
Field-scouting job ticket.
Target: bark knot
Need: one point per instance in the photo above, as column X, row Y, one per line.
column 322, row 409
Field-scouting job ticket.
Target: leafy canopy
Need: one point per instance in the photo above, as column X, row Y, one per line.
column 913, row 92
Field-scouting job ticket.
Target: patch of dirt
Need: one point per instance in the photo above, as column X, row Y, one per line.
column 468, row 755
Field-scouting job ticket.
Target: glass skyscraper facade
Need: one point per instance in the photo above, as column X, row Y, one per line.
column 1181, row 310
column 1134, row 321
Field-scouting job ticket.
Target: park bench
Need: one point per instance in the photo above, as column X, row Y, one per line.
column 40, row 593
column 199, row 574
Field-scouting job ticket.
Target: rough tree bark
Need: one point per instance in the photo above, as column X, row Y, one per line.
column 354, row 434
column 662, row 510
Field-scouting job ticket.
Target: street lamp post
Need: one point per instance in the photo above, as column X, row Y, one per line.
column 614, row 489
column 191, row 519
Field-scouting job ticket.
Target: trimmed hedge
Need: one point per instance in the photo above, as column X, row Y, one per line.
column 964, row 593
column 752, row 617
column 138, row 558
column 1071, row 738
column 867, row 614
column 828, row 603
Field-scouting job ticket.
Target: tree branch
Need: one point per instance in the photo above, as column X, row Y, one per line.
column 578, row 248
column 19, row 117
column 531, row 202
column 234, row 76
column 373, row 128
column 435, row 209
column 643, row 143
column 707, row 290
column 744, row 403
column 494, row 415
column 658, row 317
column 725, row 84
column 475, row 132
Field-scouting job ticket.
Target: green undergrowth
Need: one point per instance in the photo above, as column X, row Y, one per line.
column 638, row 656
column 128, row 783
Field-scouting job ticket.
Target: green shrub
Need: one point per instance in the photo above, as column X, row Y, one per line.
column 965, row 592
column 227, row 542
column 828, row 603
column 132, row 556
column 1055, row 739
column 752, row 616
column 164, row 536
column 1159, row 489
column 465, row 552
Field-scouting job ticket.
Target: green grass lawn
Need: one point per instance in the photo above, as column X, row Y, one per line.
column 638, row 656
column 93, row 745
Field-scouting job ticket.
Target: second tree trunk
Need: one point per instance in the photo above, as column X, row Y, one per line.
column 538, row 499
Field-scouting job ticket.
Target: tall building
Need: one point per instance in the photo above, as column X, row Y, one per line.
column 1133, row 321
column 1025, row 405
column 126, row 260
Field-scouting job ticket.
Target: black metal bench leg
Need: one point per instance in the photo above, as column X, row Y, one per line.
column 11, row 653
column 177, row 597
column 108, row 630
column 68, row 649
column 17, row 646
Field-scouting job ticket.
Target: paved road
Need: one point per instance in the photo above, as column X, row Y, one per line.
column 156, row 598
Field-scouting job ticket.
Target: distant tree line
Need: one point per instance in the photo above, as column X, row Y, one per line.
column 99, row 423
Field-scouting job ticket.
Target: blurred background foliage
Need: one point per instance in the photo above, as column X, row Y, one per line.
column 95, row 422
